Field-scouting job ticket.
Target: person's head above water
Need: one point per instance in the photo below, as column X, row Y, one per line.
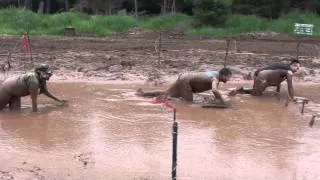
column 44, row 71
column 224, row 75
column 295, row 65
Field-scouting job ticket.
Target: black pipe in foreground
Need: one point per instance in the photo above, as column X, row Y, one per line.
column 174, row 146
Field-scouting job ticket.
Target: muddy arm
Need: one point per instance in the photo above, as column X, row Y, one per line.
column 278, row 88
column 290, row 87
column 218, row 96
column 216, row 93
column 34, row 98
column 142, row 93
column 33, row 91
column 45, row 91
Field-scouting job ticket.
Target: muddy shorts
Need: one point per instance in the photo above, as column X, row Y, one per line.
column 259, row 86
column 7, row 98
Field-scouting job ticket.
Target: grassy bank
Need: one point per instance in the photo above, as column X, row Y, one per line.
column 238, row 24
column 15, row 21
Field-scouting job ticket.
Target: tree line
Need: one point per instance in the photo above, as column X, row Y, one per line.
column 207, row 11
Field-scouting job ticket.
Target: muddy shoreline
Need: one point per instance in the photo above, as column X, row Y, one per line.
column 134, row 56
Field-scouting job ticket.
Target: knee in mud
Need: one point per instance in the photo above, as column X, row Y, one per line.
column 139, row 92
column 85, row 158
column 256, row 93
column 236, row 91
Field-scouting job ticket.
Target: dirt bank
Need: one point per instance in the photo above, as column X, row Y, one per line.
column 134, row 56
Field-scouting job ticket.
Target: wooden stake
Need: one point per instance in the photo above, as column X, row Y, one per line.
column 227, row 52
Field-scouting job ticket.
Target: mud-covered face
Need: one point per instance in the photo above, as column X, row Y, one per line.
column 224, row 78
column 45, row 75
column 295, row 67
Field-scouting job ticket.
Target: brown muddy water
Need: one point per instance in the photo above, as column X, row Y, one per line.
column 106, row 132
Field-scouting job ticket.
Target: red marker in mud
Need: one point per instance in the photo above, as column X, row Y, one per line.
column 25, row 43
column 163, row 101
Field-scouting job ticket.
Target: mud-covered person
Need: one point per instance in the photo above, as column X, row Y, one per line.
column 32, row 83
column 189, row 83
column 272, row 75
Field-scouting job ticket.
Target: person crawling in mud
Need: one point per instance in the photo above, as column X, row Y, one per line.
column 32, row 83
column 189, row 83
column 272, row 75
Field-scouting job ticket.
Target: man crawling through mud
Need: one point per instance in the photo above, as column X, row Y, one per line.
column 272, row 75
column 189, row 83
column 32, row 84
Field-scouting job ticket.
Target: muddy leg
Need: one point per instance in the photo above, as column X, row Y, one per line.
column 15, row 104
column 218, row 98
column 142, row 93
column 259, row 86
column 278, row 91
column 186, row 92
column 4, row 98
column 240, row 90
column 3, row 104
column 278, row 88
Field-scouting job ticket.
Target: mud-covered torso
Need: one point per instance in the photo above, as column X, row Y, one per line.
column 22, row 85
column 274, row 77
column 201, row 81
column 274, row 67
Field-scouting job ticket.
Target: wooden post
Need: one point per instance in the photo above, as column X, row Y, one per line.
column 313, row 118
column 30, row 50
column 227, row 52
column 298, row 48
column 158, row 46
column 303, row 103
column 9, row 60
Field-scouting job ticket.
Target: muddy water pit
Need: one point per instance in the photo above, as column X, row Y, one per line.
column 106, row 132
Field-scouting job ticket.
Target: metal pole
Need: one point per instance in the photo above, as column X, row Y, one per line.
column 303, row 104
column 174, row 146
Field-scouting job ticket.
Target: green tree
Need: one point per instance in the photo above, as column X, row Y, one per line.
column 265, row 8
column 211, row 12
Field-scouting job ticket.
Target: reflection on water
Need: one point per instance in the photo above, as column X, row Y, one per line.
column 106, row 132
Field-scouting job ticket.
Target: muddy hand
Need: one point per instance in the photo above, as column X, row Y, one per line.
column 63, row 102
column 296, row 99
column 288, row 100
column 301, row 99
column 236, row 91
column 232, row 93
